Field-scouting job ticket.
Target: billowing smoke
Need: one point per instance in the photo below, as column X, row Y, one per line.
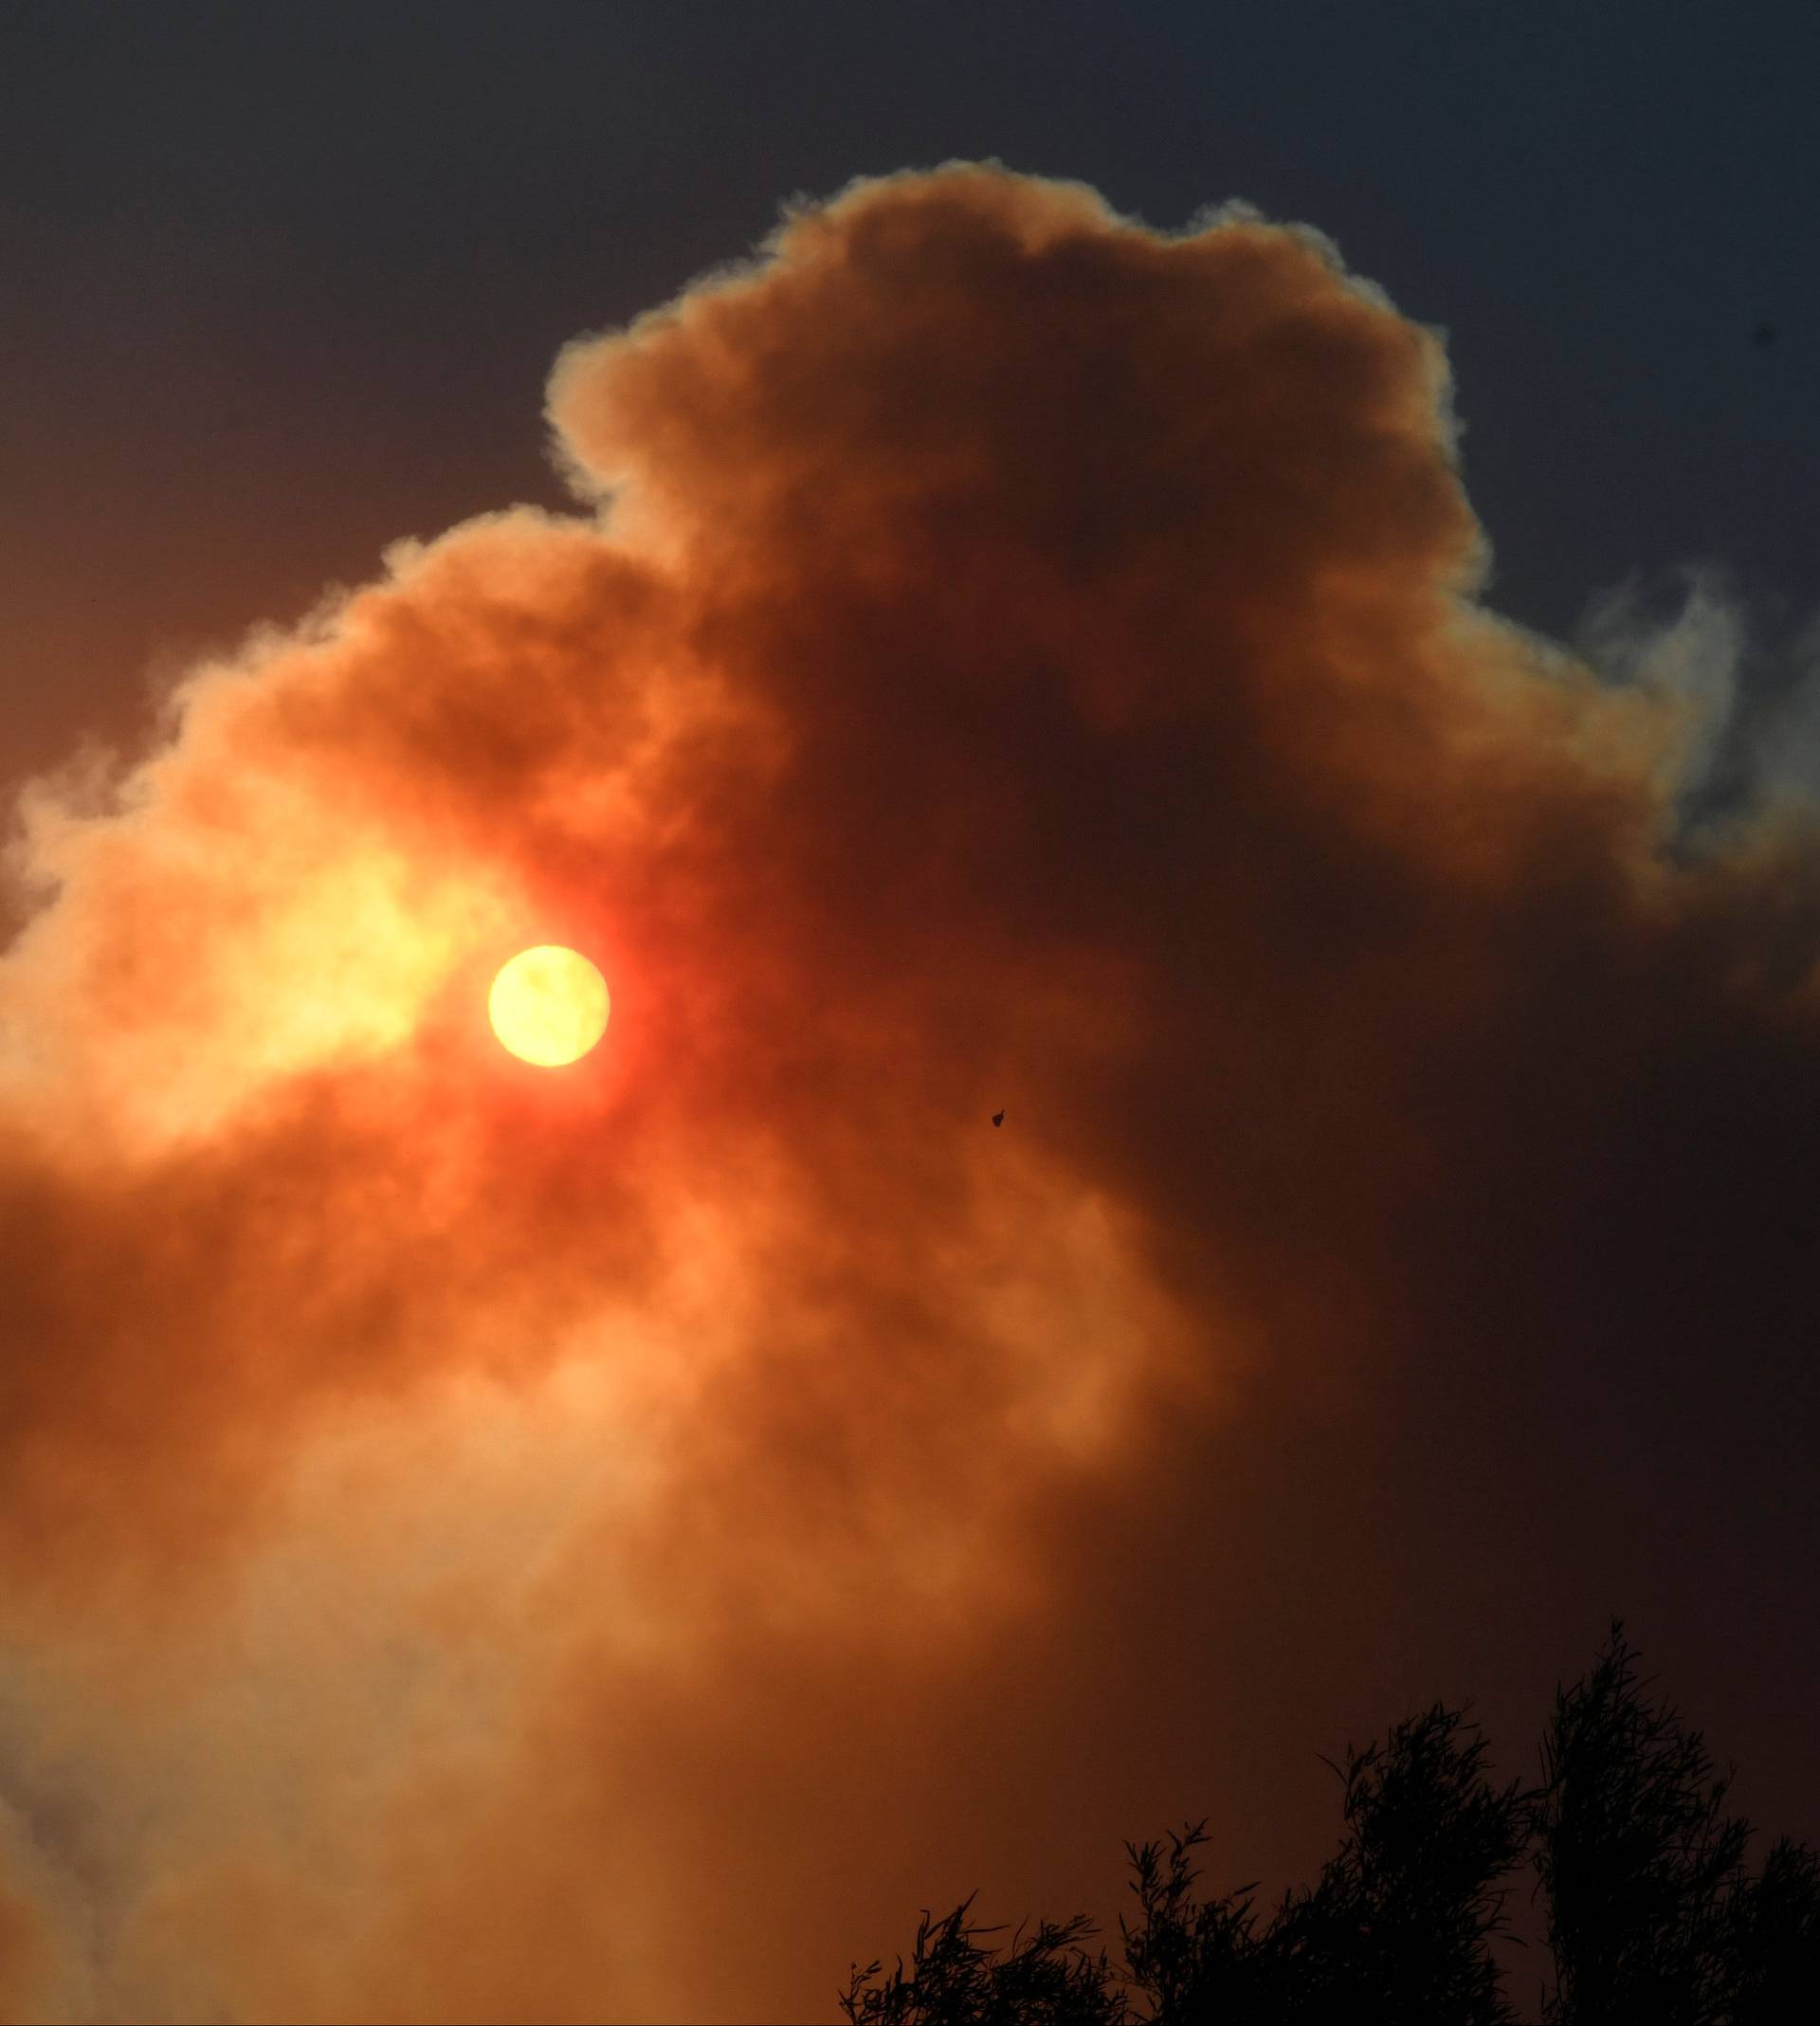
column 482, row 1542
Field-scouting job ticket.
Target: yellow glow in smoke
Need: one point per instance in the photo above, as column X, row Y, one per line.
column 549, row 1005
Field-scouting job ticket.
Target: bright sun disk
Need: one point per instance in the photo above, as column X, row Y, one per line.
column 548, row 1005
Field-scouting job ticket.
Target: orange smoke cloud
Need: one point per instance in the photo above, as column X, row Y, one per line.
column 1019, row 660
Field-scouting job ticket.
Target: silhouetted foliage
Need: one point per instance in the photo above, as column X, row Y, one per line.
column 1184, row 1952
column 1636, row 1855
column 1399, row 1926
column 1651, row 1915
column 1044, row 1980
column 1775, row 1938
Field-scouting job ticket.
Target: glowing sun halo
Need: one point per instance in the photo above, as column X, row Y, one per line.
column 548, row 1005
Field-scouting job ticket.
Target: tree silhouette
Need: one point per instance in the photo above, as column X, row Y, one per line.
column 1651, row 1915
column 1399, row 1926
column 1045, row 1980
column 1635, row 1854
column 1775, row 1938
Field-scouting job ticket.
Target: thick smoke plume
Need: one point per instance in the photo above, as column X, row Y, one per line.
column 495, row 1544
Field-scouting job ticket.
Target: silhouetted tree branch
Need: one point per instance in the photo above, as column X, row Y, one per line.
column 1648, row 1901
column 1652, row 1918
column 1184, row 1951
column 1045, row 1979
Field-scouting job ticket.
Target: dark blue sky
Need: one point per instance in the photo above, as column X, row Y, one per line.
column 283, row 281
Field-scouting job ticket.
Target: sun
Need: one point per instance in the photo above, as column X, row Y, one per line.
column 549, row 1005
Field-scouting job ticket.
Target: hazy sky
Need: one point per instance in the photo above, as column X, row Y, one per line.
column 1314, row 724
column 261, row 261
